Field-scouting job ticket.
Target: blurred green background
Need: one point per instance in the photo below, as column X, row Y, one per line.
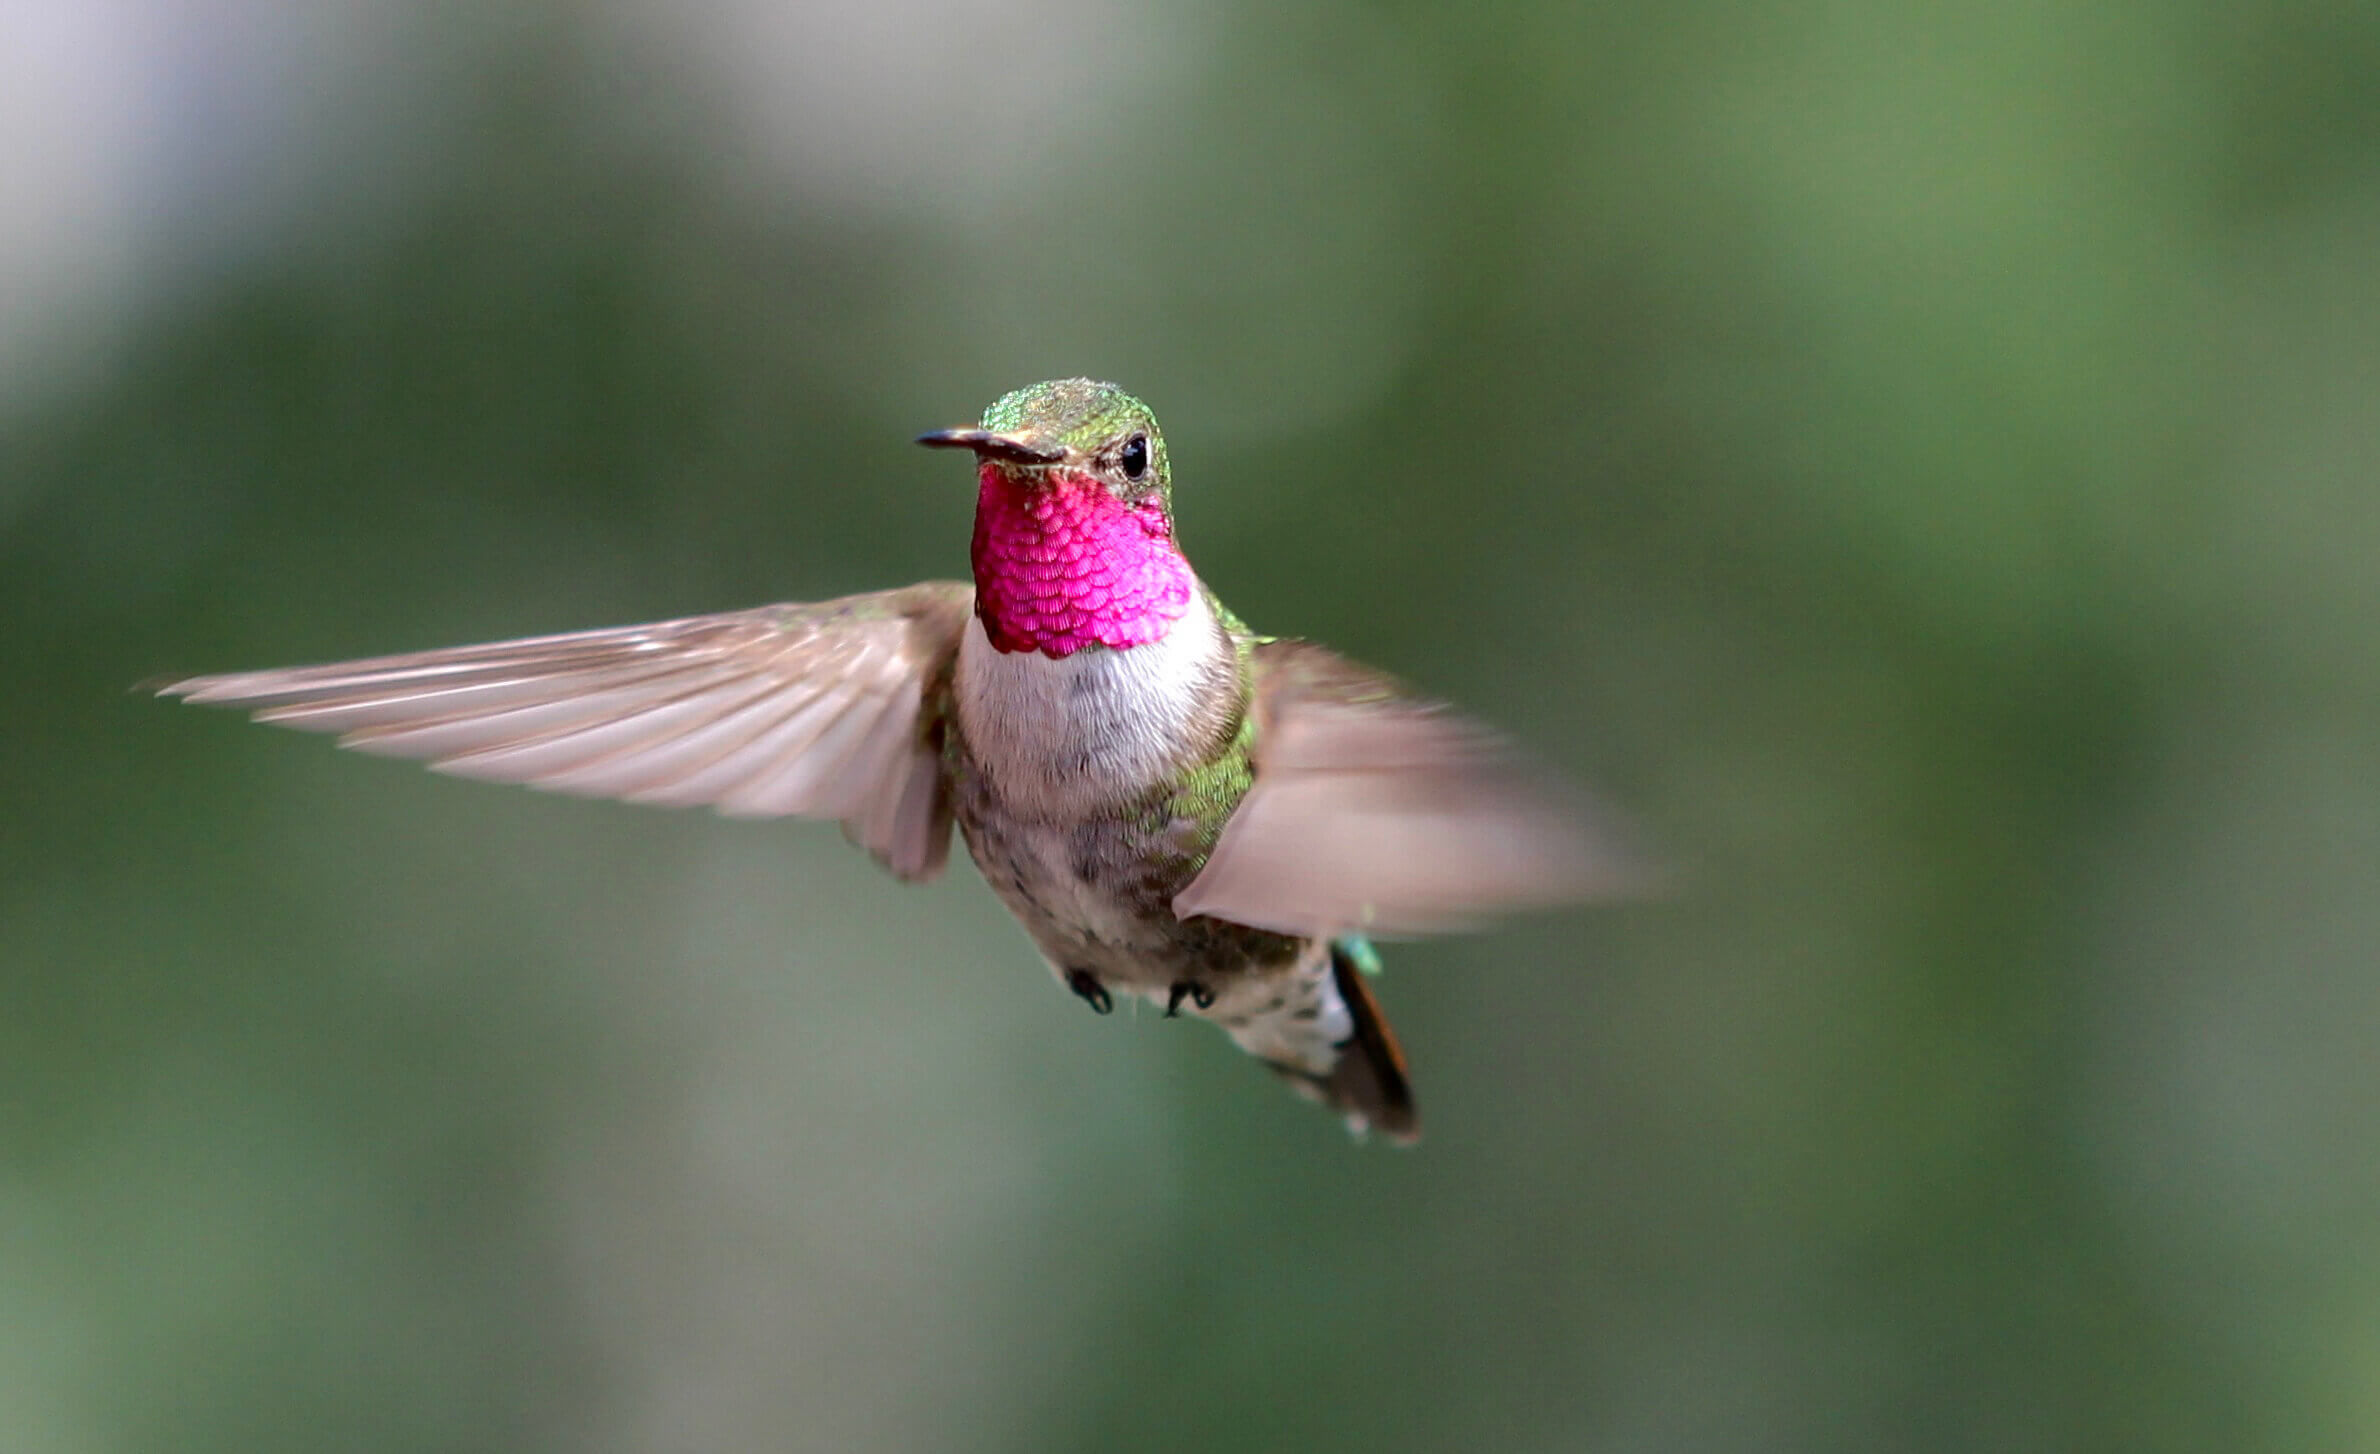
column 1924, row 462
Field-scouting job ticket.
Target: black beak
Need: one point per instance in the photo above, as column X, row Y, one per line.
column 994, row 446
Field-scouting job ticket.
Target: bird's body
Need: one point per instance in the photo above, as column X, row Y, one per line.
column 1090, row 857
column 1172, row 807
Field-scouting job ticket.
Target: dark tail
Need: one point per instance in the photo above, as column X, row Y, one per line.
column 1369, row 1080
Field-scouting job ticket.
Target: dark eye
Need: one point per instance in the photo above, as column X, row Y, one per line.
column 1135, row 457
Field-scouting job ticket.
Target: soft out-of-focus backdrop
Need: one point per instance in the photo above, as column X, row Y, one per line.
column 1924, row 462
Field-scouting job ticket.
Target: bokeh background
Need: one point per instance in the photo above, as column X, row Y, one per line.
column 1923, row 462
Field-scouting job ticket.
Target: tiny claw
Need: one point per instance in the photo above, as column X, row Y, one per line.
column 1195, row 991
column 1093, row 993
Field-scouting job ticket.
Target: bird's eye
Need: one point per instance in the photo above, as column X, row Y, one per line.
column 1135, row 457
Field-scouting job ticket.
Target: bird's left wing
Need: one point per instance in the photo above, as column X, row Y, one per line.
column 819, row 710
column 1376, row 810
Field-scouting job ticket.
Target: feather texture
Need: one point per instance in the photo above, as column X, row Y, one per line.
column 817, row 710
column 1377, row 811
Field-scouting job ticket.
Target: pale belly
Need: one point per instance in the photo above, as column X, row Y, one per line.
column 1057, row 766
column 1096, row 895
column 1093, row 907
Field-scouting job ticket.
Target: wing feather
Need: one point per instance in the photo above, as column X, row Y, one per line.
column 1379, row 811
column 810, row 709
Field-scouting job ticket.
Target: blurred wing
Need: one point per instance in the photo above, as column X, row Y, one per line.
column 1374, row 810
column 818, row 710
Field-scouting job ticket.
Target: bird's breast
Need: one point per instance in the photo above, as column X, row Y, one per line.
column 1066, row 737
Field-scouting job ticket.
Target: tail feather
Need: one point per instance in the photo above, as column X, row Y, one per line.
column 1368, row 1083
column 1322, row 1031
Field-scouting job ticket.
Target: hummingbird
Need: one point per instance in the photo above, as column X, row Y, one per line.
column 1174, row 807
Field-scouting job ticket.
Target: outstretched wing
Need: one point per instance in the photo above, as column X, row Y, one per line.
column 819, row 710
column 1376, row 810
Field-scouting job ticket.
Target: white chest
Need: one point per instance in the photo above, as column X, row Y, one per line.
column 1062, row 737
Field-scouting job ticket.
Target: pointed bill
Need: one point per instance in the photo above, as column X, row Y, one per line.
column 818, row 710
column 1377, row 811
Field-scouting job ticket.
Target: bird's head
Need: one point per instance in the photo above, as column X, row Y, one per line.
column 1073, row 520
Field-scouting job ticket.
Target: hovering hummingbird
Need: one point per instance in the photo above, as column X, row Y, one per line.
column 1173, row 806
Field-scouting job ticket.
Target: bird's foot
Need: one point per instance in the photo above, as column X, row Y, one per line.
column 1196, row 992
column 1086, row 985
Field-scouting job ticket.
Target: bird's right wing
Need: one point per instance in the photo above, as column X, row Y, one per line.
column 819, row 710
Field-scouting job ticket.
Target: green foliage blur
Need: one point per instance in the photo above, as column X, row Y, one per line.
column 1922, row 462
